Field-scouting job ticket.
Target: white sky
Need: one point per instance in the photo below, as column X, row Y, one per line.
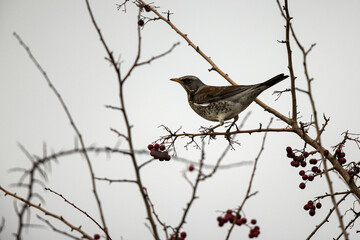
column 241, row 37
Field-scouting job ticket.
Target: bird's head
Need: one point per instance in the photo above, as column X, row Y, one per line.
column 190, row 83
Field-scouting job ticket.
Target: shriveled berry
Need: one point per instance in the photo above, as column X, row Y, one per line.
column 253, row 221
column 183, row 234
column 167, row 157
column 191, row 168
column 96, row 236
column 150, row 146
column 141, row 22
column 318, row 205
column 302, row 185
column 302, row 172
column 313, row 161
column 147, row 8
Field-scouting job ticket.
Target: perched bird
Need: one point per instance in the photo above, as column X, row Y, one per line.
column 221, row 103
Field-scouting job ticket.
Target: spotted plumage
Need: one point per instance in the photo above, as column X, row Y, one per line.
column 221, row 103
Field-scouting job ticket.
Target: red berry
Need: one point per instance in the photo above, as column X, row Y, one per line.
column 310, row 203
column 289, row 150
column 220, row 218
column 141, row 22
column 96, row 236
column 338, row 151
column 312, row 212
column 243, row 220
column 342, row 160
column 299, row 158
column 229, row 211
column 150, row 146
column 302, row 185
column 295, row 163
column 302, row 172
column 314, row 169
column 305, row 154
column 304, row 177
column 326, row 152
column 306, row 207
column 183, row 234
column 291, row 155
column 167, row 157
column 311, row 177
column 162, row 147
column 156, row 146
column 303, row 164
column 221, row 223
column 191, row 168
column 318, row 205
column 238, row 221
column 313, row 161
column 342, row 154
column 253, row 221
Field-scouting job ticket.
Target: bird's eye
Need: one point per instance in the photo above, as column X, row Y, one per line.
column 187, row 81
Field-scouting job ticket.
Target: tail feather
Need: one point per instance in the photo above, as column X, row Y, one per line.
column 274, row 80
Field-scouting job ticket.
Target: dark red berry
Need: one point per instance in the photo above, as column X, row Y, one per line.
column 141, row 22
column 96, row 236
column 313, row 161
column 318, row 171
column 338, row 151
column 302, row 172
column 306, row 207
column 299, row 158
column 310, row 203
column 295, row 163
column 156, row 146
column 253, row 221
column 303, row 164
column 191, row 168
column 167, row 157
column 314, row 169
column 304, row 177
column 318, row 205
column 305, row 154
column 302, row 185
column 311, row 177
column 221, row 223
column 342, row 160
column 150, row 146
column 147, row 8
column 162, row 147
column 291, row 155
column 238, row 221
column 243, row 220
column 289, row 150
column 312, row 212
column 326, row 152
column 229, row 211
column 220, row 218
column 183, row 234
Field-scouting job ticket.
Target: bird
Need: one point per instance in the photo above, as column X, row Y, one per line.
column 221, row 103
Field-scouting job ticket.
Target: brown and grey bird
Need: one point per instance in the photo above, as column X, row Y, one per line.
column 221, row 103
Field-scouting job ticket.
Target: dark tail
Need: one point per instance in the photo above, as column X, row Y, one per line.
column 274, row 80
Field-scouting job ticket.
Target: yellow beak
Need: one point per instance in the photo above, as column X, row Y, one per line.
column 176, row 80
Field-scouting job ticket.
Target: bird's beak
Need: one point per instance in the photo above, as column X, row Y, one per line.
column 176, row 80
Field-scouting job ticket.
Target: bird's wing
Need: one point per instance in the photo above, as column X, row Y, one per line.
column 210, row 94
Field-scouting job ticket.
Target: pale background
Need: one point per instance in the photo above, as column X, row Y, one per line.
column 241, row 37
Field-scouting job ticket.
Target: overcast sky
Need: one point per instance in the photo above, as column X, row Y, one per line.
column 242, row 39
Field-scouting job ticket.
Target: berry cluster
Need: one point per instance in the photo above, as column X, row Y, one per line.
column 311, row 206
column 340, row 155
column 238, row 220
column 158, row 152
column 300, row 160
column 182, row 236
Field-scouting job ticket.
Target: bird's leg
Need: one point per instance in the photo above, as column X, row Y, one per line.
column 233, row 124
